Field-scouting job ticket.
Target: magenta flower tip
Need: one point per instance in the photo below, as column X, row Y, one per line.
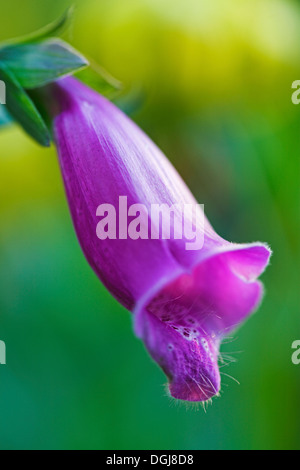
column 184, row 321
column 183, row 301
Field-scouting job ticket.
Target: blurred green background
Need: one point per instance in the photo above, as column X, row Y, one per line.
column 212, row 80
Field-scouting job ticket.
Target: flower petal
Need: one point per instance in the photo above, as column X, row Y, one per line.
column 183, row 301
column 193, row 312
column 190, row 363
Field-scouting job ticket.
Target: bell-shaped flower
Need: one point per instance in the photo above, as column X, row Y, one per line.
column 184, row 297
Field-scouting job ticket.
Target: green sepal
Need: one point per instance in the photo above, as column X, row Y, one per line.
column 37, row 64
column 22, row 109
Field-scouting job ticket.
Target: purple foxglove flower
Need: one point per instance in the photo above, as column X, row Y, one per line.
column 183, row 301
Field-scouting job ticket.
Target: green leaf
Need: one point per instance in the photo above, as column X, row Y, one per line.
column 132, row 101
column 37, row 64
column 52, row 29
column 22, row 108
column 100, row 80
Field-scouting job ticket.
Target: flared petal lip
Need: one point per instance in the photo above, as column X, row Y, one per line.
column 209, row 254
